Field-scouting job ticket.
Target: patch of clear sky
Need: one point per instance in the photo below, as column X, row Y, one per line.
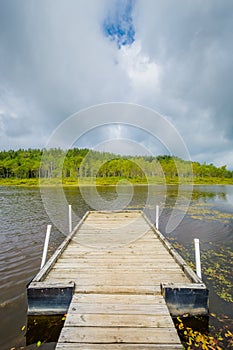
column 118, row 25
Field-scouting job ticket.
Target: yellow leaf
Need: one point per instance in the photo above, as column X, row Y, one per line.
column 228, row 334
column 204, row 347
column 181, row 326
column 23, row 328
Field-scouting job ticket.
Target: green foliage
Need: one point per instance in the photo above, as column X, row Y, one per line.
column 75, row 163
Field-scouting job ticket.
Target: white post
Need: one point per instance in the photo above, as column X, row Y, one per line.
column 157, row 217
column 70, row 218
column 46, row 244
column 197, row 257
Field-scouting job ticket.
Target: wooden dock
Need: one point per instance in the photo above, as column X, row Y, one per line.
column 121, row 281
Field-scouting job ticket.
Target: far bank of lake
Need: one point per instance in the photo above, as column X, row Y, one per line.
column 107, row 181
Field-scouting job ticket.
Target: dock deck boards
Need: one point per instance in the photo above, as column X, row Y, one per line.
column 125, row 254
column 117, row 262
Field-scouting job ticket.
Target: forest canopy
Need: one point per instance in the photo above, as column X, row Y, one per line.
column 75, row 163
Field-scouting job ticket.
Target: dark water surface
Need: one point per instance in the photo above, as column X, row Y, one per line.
column 23, row 221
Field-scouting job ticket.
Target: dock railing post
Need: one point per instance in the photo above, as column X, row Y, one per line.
column 70, row 218
column 197, row 257
column 157, row 217
column 46, row 244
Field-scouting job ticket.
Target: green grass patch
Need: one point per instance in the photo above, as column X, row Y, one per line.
column 107, row 181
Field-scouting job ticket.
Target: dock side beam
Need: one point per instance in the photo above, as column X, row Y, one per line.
column 186, row 299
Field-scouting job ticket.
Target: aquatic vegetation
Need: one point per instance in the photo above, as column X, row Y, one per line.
column 197, row 339
column 218, row 270
column 206, row 211
column 208, row 214
column 217, row 266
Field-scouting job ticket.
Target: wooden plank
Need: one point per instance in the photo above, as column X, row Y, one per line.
column 113, row 270
column 107, row 268
column 120, row 280
column 113, row 230
column 101, row 223
column 90, row 346
column 154, row 309
column 113, row 289
column 121, row 249
column 115, row 213
column 108, row 263
column 118, row 320
column 110, row 283
column 107, row 256
column 118, row 299
column 103, row 335
column 99, row 275
column 123, row 239
column 124, row 254
column 121, row 263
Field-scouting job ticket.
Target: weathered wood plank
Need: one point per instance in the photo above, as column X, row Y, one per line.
column 114, row 270
column 118, row 269
column 118, row 320
column 102, row 224
column 105, row 275
column 103, row 335
column 105, row 254
column 120, row 258
column 91, row 346
column 118, row 263
column 138, row 256
column 119, row 280
column 154, row 309
column 113, row 289
column 118, row 299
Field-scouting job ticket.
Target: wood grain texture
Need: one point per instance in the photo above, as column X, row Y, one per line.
column 103, row 335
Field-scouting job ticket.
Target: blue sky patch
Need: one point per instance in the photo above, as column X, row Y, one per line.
column 118, row 26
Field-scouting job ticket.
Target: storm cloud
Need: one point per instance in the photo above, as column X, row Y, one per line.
column 176, row 57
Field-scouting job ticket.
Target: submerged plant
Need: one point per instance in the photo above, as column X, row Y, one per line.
column 217, row 266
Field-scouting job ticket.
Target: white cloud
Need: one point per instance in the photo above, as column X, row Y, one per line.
column 142, row 72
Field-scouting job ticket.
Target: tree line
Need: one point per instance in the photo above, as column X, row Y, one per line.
column 54, row 163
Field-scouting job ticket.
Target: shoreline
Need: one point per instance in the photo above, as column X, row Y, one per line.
column 110, row 182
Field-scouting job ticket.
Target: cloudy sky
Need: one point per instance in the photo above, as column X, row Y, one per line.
column 58, row 57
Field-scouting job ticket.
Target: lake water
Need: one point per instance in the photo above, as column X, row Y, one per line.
column 204, row 212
